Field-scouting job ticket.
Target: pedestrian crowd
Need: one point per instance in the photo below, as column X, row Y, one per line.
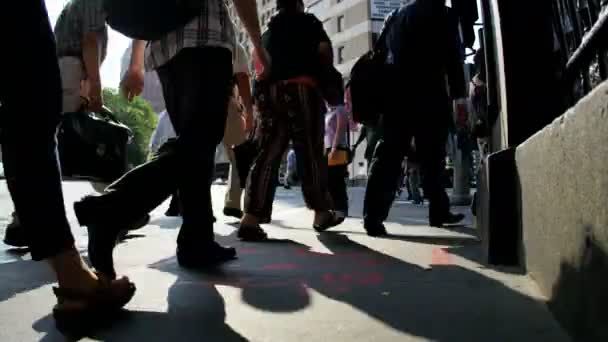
column 295, row 110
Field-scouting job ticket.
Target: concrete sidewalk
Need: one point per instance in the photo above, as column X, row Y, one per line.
column 421, row 284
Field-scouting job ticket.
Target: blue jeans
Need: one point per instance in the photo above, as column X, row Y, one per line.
column 28, row 123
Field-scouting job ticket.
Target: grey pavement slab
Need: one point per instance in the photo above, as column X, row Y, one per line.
column 420, row 284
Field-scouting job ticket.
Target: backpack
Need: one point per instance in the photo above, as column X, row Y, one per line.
column 370, row 81
column 150, row 19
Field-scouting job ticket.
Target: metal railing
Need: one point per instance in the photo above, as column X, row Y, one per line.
column 581, row 43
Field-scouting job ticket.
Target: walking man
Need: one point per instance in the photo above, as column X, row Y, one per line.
column 194, row 64
column 422, row 47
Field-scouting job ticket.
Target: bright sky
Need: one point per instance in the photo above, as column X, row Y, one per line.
column 110, row 71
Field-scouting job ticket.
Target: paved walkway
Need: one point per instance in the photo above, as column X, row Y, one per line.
column 421, row 284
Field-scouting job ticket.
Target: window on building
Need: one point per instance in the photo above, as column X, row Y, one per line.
column 340, row 55
column 340, row 23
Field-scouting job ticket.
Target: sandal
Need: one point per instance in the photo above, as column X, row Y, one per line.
column 78, row 313
column 331, row 221
column 252, row 234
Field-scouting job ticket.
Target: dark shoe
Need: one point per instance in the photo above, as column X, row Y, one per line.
column 88, row 211
column 375, row 229
column 453, row 218
column 448, row 219
column 15, row 234
column 330, row 221
column 102, row 240
column 204, row 256
column 252, row 234
column 104, row 233
column 142, row 222
column 233, row 212
column 94, row 308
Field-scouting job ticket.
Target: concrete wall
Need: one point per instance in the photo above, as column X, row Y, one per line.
column 563, row 174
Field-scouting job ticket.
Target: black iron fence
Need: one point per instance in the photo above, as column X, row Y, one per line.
column 581, row 44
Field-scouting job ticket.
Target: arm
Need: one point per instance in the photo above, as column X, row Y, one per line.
column 242, row 83
column 132, row 83
column 340, row 127
column 90, row 56
column 247, row 11
column 455, row 73
column 326, row 51
column 93, row 26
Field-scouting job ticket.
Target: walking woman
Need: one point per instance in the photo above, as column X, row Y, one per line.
column 290, row 107
column 338, row 150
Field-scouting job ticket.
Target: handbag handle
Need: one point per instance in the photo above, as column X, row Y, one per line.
column 105, row 112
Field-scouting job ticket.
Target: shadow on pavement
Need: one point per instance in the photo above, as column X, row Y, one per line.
column 433, row 239
column 445, row 303
column 15, row 281
column 196, row 311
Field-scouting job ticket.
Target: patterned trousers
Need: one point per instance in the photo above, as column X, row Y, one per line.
column 289, row 111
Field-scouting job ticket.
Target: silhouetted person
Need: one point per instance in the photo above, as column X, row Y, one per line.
column 28, row 123
column 423, row 48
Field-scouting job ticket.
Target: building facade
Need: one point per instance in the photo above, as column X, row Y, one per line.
column 352, row 25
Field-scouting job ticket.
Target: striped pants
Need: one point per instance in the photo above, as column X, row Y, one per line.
column 289, row 111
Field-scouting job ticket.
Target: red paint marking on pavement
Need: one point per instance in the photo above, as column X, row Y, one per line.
column 441, row 257
column 371, row 278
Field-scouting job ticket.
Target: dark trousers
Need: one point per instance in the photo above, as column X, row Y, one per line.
column 28, row 123
column 175, row 206
column 337, row 187
column 196, row 87
column 427, row 126
column 293, row 112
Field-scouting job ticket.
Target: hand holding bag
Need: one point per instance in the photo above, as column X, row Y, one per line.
column 93, row 145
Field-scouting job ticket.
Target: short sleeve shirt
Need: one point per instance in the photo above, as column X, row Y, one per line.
column 292, row 40
column 78, row 18
column 213, row 27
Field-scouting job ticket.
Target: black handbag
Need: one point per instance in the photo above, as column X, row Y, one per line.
column 244, row 155
column 93, row 146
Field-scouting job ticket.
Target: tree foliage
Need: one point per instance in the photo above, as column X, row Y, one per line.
column 137, row 115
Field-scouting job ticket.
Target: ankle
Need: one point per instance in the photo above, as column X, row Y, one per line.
column 71, row 271
column 320, row 215
column 250, row 220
